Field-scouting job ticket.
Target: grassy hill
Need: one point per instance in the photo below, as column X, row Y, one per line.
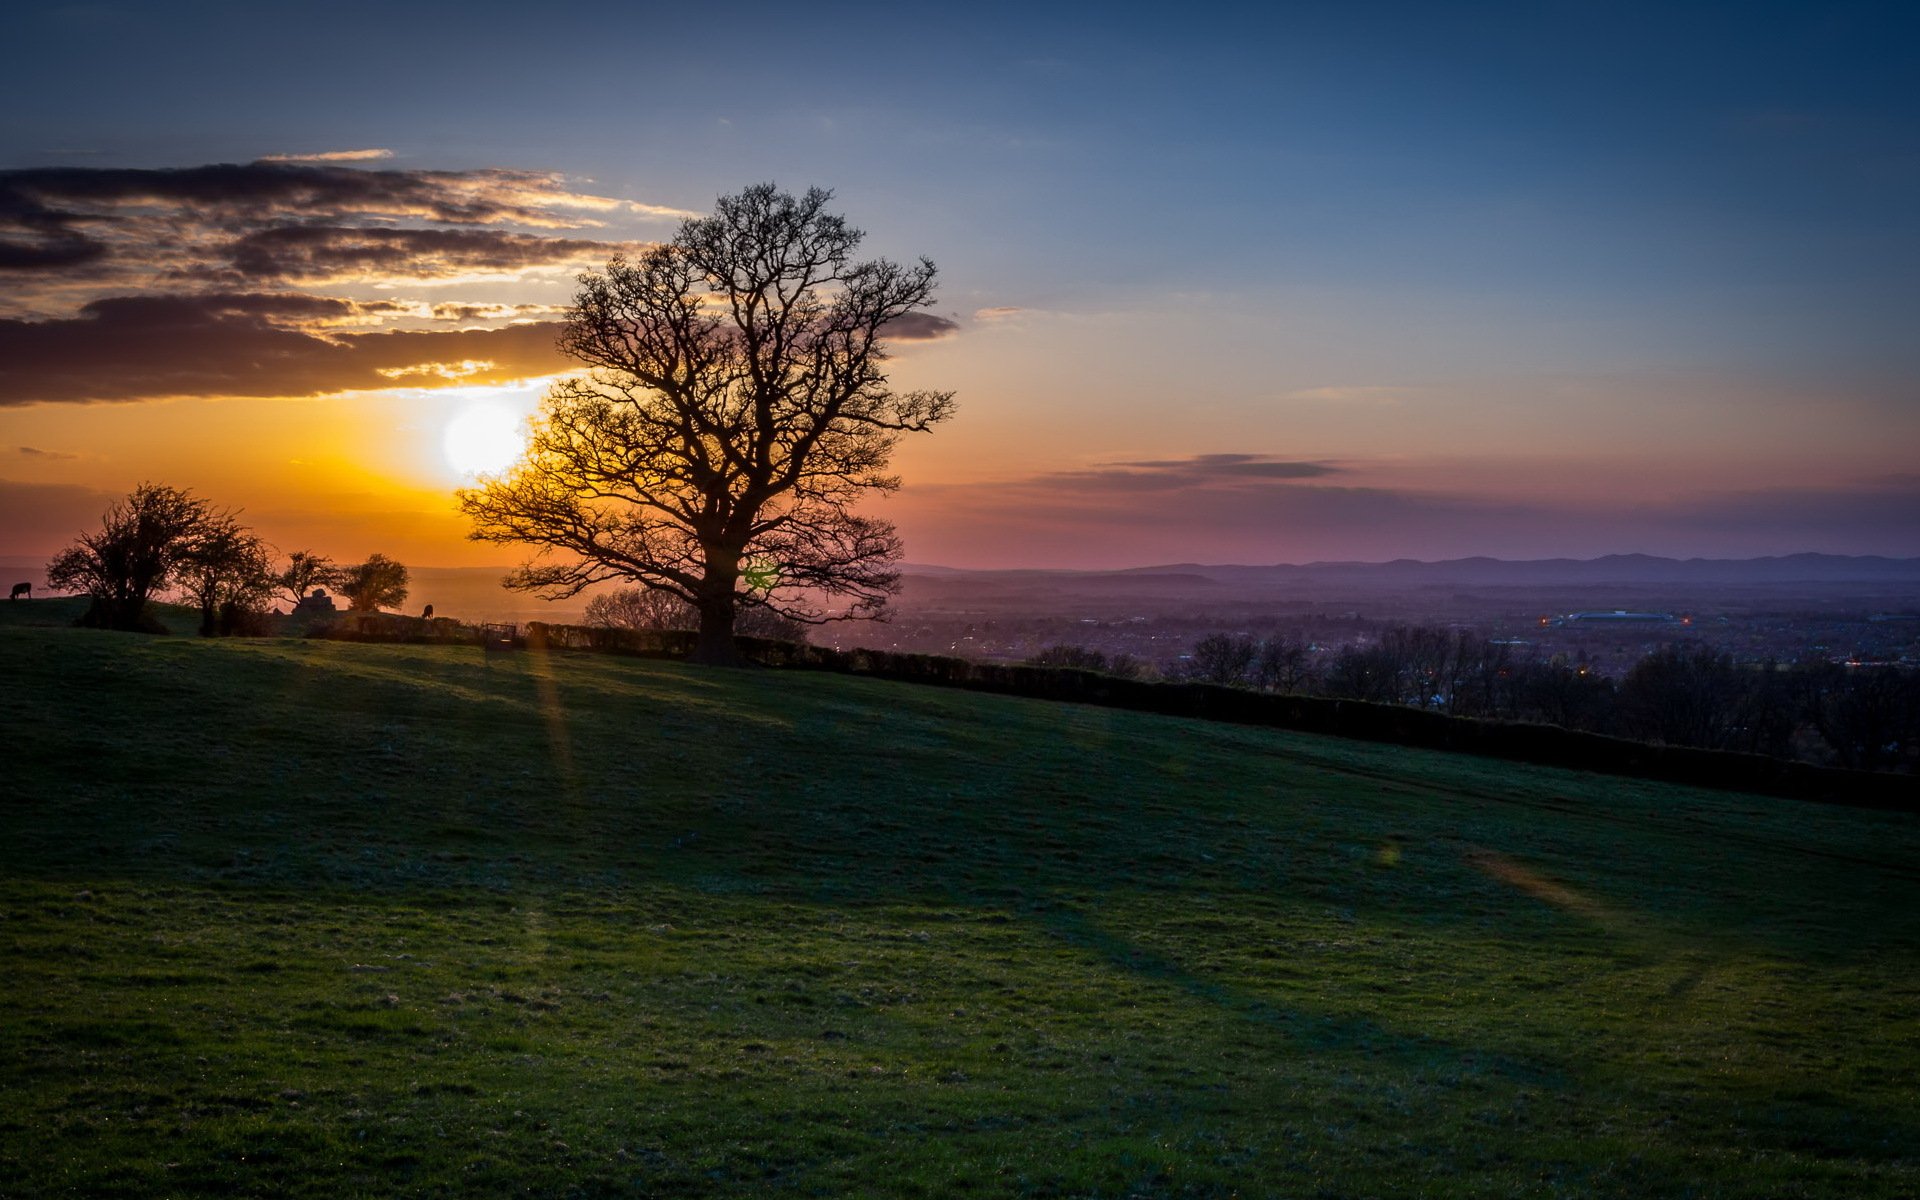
column 320, row 919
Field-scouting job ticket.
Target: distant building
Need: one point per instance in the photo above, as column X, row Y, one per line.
column 319, row 604
column 1623, row 617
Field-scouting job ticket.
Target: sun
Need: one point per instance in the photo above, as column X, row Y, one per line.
column 483, row 439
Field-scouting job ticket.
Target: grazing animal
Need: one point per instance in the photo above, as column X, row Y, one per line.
column 427, row 615
column 21, row 589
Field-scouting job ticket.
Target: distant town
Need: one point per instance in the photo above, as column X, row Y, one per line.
column 1843, row 611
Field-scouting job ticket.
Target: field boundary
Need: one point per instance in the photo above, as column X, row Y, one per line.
column 1543, row 745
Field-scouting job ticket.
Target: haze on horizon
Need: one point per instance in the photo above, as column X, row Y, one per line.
column 1292, row 283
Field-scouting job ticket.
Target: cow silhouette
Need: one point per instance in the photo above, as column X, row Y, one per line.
column 21, row 589
column 428, row 614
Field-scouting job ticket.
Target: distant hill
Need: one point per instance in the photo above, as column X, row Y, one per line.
column 475, row 593
column 1612, row 568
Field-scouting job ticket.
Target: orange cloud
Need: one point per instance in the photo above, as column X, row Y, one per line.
column 149, row 347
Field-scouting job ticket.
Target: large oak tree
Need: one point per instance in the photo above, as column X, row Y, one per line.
column 734, row 410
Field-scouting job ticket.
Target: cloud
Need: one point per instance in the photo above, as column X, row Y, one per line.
column 920, row 327
column 324, row 156
column 312, row 221
column 1117, row 516
column 493, row 312
column 124, row 284
column 148, row 347
column 999, row 312
column 45, row 455
column 1208, row 509
column 334, row 254
column 1228, row 471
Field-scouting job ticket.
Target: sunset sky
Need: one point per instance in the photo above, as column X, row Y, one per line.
column 1230, row 284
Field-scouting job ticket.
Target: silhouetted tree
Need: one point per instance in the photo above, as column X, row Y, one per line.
column 1869, row 717
column 374, row 584
column 305, row 572
column 1369, row 673
column 644, row 608
column 1563, row 694
column 1221, row 658
column 735, row 411
column 1283, row 665
column 1084, row 658
column 1682, row 694
column 140, row 545
column 1078, row 658
column 227, row 572
column 1473, row 674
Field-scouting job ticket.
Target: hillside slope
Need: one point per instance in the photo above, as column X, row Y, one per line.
column 305, row 918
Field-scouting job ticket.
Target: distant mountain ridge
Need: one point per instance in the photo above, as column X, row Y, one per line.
column 1612, row 568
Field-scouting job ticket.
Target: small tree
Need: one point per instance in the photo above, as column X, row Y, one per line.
column 1222, row 658
column 1283, row 665
column 736, row 409
column 1684, row 694
column 374, row 584
column 645, row 608
column 227, row 572
column 1079, row 658
column 1868, row 716
column 140, row 545
column 305, row 572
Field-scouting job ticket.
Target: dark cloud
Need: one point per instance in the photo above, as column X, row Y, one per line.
column 241, row 247
column 279, row 308
column 46, row 455
column 493, row 312
column 144, row 347
column 335, row 253
column 28, row 244
column 1226, row 471
column 1208, row 467
column 240, row 224
column 72, row 195
column 920, row 327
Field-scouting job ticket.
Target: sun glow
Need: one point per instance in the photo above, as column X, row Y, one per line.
column 483, row 439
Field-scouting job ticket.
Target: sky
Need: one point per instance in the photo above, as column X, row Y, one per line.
column 1248, row 284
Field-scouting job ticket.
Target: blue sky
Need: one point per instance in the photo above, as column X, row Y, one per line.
column 1610, row 277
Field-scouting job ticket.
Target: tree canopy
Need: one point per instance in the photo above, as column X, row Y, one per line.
column 141, row 545
column 734, row 409
column 377, row 583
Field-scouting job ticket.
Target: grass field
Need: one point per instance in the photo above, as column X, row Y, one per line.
column 319, row 919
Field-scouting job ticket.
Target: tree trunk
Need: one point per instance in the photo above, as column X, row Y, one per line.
column 714, row 645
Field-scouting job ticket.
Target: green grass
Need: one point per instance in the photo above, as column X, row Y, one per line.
column 320, row 919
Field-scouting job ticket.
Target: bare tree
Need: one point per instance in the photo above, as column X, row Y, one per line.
column 1866, row 715
column 645, row 608
column 1684, row 694
column 141, row 544
column 305, row 572
column 1078, row 658
column 1222, row 658
column 735, row 410
column 227, row 572
column 1284, row 665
